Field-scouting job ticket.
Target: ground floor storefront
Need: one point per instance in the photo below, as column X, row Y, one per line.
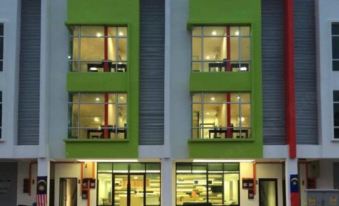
column 155, row 183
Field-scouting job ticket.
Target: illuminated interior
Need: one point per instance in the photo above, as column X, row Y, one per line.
column 98, row 115
column 221, row 115
column 129, row 184
column 215, row 183
column 216, row 49
column 99, row 49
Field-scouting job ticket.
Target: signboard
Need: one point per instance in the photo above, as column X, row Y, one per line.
column 294, row 183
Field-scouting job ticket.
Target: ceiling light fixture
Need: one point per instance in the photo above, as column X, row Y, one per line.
column 99, row 35
column 212, row 98
column 214, row 33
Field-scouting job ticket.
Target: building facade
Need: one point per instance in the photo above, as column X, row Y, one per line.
column 169, row 102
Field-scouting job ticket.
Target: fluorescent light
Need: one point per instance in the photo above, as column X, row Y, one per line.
column 108, row 160
column 216, row 161
column 97, row 99
column 242, row 119
column 208, row 57
column 214, row 33
column 93, row 69
column 236, row 33
column 121, row 33
column 212, row 98
column 69, row 57
column 243, row 68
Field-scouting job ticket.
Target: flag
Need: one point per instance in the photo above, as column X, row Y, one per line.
column 41, row 195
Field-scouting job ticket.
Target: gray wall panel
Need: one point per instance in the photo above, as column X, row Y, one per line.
column 29, row 75
column 273, row 71
column 305, row 72
column 8, row 179
column 152, row 72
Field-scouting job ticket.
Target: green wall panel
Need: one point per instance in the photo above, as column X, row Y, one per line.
column 97, row 82
column 216, row 81
column 231, row 12
column 110, row 13
column 99, row 149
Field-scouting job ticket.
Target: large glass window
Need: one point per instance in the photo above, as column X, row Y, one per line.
column 221, row 49
column 336, row 114
column 335, row 46
column 221, row 115
column 98, row 115
column 99, row 49
column 215, row 183
column 1, row 46
column 129, row 184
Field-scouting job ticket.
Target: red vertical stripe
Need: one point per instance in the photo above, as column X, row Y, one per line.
column 289, row 79
column 228, row 68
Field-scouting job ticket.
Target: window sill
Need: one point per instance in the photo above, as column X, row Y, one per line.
column 96, row 140
column 222, row 140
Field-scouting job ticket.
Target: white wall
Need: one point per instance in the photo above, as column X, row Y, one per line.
column 327, row 79
column 73, row 170
column 263, row 171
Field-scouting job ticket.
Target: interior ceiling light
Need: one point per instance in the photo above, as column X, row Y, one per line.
column 96, row 119
column 243, row 68
column 236, row 33
column 121, row 33
column 99, row 34
column 214, row 33
column 97, row 99
column 212, row 98
column 93, row 69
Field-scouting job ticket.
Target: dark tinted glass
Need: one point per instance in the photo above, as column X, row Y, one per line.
column 1, row 65
column 335, row 65
column 335, row 28
column 335, row 47
column 1, row 29
column 336, row 133
column 1, row 47
column 336, row 114
column 336, row 96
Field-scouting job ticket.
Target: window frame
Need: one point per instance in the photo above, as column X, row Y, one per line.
column 334, row 60
column 202, row 103
column 228, row 63
column 106, row 63
column 2, row 39
column 1, row 116
column 335, row 103
column 78, row 104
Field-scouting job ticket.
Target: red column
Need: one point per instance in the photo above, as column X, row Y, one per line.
column 289, row 79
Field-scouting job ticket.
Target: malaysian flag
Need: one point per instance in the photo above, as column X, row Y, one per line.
column 41, row 195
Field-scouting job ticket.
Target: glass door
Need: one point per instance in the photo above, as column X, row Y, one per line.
column 120, row 189
column 268, row 194
column 136, row 190
column 129, row 189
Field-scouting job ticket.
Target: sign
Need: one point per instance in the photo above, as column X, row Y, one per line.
column 294, row 183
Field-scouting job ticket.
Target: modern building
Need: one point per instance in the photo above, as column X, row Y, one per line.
column 169, row 102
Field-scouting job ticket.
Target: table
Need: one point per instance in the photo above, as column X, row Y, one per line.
column 101, row 131
column 113, row 67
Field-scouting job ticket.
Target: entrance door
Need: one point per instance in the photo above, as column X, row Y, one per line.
column 268, row 194
column 128, row 189
column 68, row 192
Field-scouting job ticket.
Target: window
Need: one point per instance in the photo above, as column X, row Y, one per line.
column 130, row 184
column 335, row 46
column 221, row 49
column 221, row 115
column 99, row 49
column 0, row 114
column 98, row 115
column 336, row 114
column 1, row 46
column 215, row 183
